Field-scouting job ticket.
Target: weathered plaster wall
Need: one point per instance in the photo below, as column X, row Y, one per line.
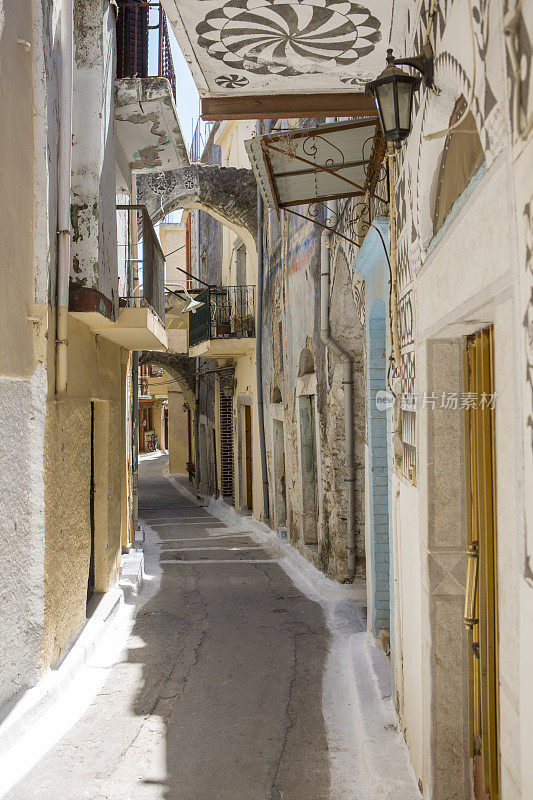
column 16, row 223
column 29, row 89
column 22, row 406
column 93, row 215
column 293, row 348
column 94, row 373
column 346, row 329
column 173, row 240
column 465, row 277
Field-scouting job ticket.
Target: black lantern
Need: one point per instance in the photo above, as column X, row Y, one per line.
column 393, row 93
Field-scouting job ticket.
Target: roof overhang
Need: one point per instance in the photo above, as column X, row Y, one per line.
column 281, row 58
column 147, row 125
column 323, row 162
column 287, row 106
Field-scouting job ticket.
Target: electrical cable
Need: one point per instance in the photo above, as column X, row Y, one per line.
column 174, row 251
column 450, row 128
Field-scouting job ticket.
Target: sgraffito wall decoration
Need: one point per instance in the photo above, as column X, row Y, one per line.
column 527, row 323
column 256, row 46
column 288, row 38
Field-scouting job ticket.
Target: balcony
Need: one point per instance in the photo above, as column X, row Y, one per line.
column 147, row 127
column 224, row 327
column 134, row 23
column 140, row 322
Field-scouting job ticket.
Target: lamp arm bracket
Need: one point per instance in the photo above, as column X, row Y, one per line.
column 423, row 63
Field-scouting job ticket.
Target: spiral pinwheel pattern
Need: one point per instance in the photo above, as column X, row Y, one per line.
column 232, row 81
column 286, row 37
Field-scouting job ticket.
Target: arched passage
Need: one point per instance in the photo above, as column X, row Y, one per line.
column 180, row 368
column 228, row 194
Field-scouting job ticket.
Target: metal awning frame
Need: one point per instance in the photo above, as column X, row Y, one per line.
column 315, row 208
column 329, row 167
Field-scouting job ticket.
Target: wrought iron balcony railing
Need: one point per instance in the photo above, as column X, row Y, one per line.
column 228, row 313
column 133, row 40
column 143, row 259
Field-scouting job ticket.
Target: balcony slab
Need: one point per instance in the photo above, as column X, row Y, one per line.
column 147, row 125
column 134, row 329
column 223, row 348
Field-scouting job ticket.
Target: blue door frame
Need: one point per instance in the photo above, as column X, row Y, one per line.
column 371, row 264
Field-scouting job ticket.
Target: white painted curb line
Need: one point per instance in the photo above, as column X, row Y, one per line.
column 384, row 755
column 18, row 717
column 326, row 588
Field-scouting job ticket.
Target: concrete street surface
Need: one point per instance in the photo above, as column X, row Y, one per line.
column 233, row 685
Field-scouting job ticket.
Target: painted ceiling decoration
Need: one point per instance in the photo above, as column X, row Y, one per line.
column 276, row 47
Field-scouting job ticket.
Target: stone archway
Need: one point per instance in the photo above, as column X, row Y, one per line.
column 226, row 193
column 181, row 368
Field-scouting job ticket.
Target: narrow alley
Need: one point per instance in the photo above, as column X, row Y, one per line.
column 266, row 385
column 229, row 684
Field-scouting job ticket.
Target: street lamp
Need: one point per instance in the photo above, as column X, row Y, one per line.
column 393, row 92
column 193, row 304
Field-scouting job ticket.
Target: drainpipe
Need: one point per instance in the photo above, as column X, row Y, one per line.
column 134, row 269
column 259, row 346
column 64, row 169
column 135, row 439
column 347, row 383
column 197, row 380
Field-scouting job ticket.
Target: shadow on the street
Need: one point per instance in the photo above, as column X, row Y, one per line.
column 233, row 659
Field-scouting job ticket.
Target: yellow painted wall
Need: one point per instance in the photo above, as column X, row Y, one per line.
column 177, row 433
column 126, row 488
column 94, row 373
column 172, row 237
column 17, row 229
column 231, row 138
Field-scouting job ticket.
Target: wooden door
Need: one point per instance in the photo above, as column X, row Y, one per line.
column 248, row 453
column 481, row 591
column 226, row 447
column 309, row 468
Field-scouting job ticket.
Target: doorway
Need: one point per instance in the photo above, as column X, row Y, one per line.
column 306, row 403
column 380, row 472
column 145, row 427
column 226, row 445
column 481, row 590
column 191, row 467
column 91, row 578
column 248, row 456
column 280, row 491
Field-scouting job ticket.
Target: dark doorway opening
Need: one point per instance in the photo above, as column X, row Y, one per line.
column 90, row 581
column 226, row 447
column 248, row 452
column 309, row 469
column 280, row 504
